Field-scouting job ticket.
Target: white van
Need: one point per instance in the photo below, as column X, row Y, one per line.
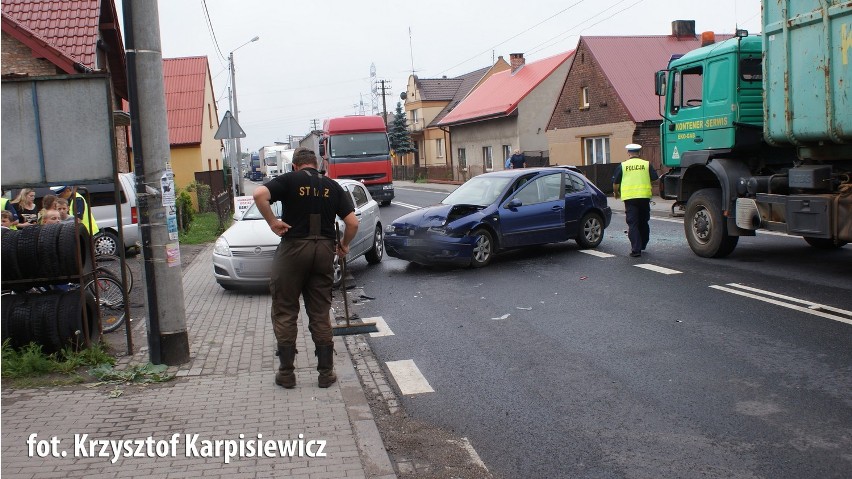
column 102, row 199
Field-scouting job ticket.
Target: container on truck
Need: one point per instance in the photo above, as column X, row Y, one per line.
column 357, row 148
column 757, row 130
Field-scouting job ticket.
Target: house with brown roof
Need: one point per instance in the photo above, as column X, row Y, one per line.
column 608, row 100
column 49, row 38
column 508, row 111
column 428, row 101
column 193, row 120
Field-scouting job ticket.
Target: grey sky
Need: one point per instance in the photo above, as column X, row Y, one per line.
column 313, row 58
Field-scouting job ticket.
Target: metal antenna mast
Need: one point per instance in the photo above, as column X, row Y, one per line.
column 374, row 90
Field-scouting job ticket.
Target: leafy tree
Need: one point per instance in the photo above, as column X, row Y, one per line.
column 398, row 134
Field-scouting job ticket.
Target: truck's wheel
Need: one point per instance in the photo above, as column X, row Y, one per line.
column 705, row 228
column 824, row 243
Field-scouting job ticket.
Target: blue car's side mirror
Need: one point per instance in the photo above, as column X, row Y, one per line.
column 514, row 203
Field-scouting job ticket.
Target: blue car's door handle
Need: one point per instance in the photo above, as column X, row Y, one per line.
column 556, row 208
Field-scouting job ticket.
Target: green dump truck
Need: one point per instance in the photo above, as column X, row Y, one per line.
column 757, row 130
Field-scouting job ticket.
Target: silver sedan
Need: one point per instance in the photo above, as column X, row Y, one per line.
column 242, row 256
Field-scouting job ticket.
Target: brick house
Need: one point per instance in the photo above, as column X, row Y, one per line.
column 608, row 98
column 48, row 38
column 427, row 102
column 508, row 111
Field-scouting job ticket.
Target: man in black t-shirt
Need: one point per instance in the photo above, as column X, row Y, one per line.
column 303, row 261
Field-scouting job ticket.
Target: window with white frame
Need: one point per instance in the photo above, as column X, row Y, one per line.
column 584, row 97
column 462, row 156
column 439, row 147
column 596, row 150
column 507, row 152
column 487, row 158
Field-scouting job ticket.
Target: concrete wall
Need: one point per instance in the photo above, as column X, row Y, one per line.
column 535, row 110
column 475, row 136
column 211, row 148
column 566, row 144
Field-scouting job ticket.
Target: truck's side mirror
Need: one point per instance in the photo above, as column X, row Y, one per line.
column 322, row 146
column 660, row 83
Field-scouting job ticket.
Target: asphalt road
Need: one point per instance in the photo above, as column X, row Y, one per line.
column 557, row 363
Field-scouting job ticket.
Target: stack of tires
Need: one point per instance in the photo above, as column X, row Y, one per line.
column 41, row 256
column 45, row 252
column 53, row 319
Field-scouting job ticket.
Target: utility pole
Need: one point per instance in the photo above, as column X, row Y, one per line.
column 236, row 174
column 384, row 102
column 168, row 342
column 235, row 110
column 314, row 124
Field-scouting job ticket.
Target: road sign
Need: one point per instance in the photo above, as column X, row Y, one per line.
column 229, row 128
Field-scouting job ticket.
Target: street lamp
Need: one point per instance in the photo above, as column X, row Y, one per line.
column 236, row 112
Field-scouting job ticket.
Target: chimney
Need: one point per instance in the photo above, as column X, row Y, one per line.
column 516, row 60
column 683, row 29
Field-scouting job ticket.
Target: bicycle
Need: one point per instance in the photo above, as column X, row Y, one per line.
column 110, row 265
column 110, row 297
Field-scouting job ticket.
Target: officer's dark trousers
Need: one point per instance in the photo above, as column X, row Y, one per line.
column 302, row 267
column 638, row 211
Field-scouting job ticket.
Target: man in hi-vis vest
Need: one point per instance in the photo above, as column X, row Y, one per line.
column 632, row 182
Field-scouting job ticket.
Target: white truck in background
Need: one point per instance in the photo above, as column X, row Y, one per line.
column 275, row 160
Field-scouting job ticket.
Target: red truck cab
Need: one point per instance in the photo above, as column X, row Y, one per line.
column 357, row 148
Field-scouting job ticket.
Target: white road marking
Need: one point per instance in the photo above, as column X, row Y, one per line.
column 810, row 308
column 382, row 326
column 406, row 205
column 658, row 269
column 445, row 193
column 670, row 220
column 467, row 446
column 599, row 254
column 408, row 377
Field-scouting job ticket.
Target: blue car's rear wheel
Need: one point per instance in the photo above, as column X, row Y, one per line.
column 591, row 231
column 483, row 248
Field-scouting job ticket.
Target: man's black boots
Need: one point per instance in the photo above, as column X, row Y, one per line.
column 285, row 377
column 325, row 365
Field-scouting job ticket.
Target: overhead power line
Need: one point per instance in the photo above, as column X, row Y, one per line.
column 513, row 36
column 211, row 30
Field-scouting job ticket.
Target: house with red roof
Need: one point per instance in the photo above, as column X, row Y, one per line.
column 427, row 102
column 608, row 100
column 193, row 120
column 508, row 111
column 56, row 37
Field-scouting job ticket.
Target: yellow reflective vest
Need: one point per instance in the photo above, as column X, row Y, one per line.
column 87, row 219
column 635, row 179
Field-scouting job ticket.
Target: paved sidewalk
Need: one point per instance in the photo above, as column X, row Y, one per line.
column 226, row 392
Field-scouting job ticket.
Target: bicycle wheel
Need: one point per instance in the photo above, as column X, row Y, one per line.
column 110, row 299
column 112, row 265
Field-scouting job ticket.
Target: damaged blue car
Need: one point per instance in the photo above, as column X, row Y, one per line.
column 499, row 211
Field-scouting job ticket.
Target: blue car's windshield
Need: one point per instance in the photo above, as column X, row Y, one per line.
column 479, row 191
column 254, row 214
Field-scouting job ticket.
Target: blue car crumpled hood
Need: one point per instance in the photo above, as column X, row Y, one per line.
column 436, row 216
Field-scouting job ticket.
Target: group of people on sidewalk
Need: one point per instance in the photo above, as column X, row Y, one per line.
column 65, row 205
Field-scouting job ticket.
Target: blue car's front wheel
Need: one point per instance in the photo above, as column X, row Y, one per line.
column 483, row 248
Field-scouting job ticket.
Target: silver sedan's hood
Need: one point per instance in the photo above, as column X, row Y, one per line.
column 250, row 233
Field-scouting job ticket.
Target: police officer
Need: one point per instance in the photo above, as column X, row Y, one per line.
column 78, row 207
column 632, row 181
column 303, row 261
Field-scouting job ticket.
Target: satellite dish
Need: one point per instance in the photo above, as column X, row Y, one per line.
column 403, row 95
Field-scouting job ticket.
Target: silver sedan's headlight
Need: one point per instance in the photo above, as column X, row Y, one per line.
column 221, row 247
